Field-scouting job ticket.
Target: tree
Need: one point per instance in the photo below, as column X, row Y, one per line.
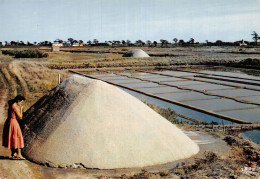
column 89, row 42
column 47, row 43
column 191, row 40
column 29, row 43
column 116, row 42
column 149, row 43
column 81, row 41
column 175, row 40
column 13, row 42
column 140, row 43
column 123, row 42
column 75, row 42
column 128, row 42
column 95, row 41
column 21, row 43
column 219, row 42
column 155, row 43
column 255, row 37
column 181, row 42
column 71, row 40
column 164, row 42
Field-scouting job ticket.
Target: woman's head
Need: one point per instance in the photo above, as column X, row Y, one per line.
column 19, row 99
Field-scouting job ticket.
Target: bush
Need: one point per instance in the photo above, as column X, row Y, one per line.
column 9, row 52
column 250, row 61
column 26, row 53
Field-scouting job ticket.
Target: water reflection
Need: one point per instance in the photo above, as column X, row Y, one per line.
column 179, row 109
column 229, row 107
column 252, row 135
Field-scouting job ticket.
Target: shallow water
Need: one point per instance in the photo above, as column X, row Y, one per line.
column 188, row 96
column 179, row 109
column 186, row 83
column 235, row 92
column 250, row 115
column 218, row 104
column 252, row 135
column 229, row 83
column 176, row 73
column 123, row 81
column 163, row 89
column 251, row 98
column 229, row 107
column 237, row 73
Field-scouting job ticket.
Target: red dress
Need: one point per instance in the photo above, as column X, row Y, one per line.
column 12, row 136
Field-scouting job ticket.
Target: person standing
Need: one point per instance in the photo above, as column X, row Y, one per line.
column 12, row 134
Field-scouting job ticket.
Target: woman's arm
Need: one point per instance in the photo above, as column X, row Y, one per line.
column 18, row 111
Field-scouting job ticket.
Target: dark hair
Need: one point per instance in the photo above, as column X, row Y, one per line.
column 19, row 98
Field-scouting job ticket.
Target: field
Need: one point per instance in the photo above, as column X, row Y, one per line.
column 34, row 77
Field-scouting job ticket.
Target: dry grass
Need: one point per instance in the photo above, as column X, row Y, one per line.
column 66, row 60
column 30, row 80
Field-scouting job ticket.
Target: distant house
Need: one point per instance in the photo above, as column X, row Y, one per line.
column 77, row 44
column 57, row 44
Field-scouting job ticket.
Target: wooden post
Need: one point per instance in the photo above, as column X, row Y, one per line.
column 223, row 125
column 59, row 79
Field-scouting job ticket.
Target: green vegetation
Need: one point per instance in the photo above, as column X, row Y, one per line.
column 250, row 61
column 26, row 53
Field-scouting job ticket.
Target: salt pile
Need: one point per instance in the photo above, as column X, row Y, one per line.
column 96, row 125
column 136, row 53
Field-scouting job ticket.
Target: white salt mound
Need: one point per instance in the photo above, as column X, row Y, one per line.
column 97, row 125
column 136, row 53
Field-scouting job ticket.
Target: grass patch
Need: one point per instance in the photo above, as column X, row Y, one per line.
column 26, row 53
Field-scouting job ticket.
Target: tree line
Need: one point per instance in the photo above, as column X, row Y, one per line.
column 149, row 43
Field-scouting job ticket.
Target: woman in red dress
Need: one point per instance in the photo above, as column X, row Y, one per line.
column 12, row 134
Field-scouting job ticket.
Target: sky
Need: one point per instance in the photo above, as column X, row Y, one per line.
column 39, row 20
